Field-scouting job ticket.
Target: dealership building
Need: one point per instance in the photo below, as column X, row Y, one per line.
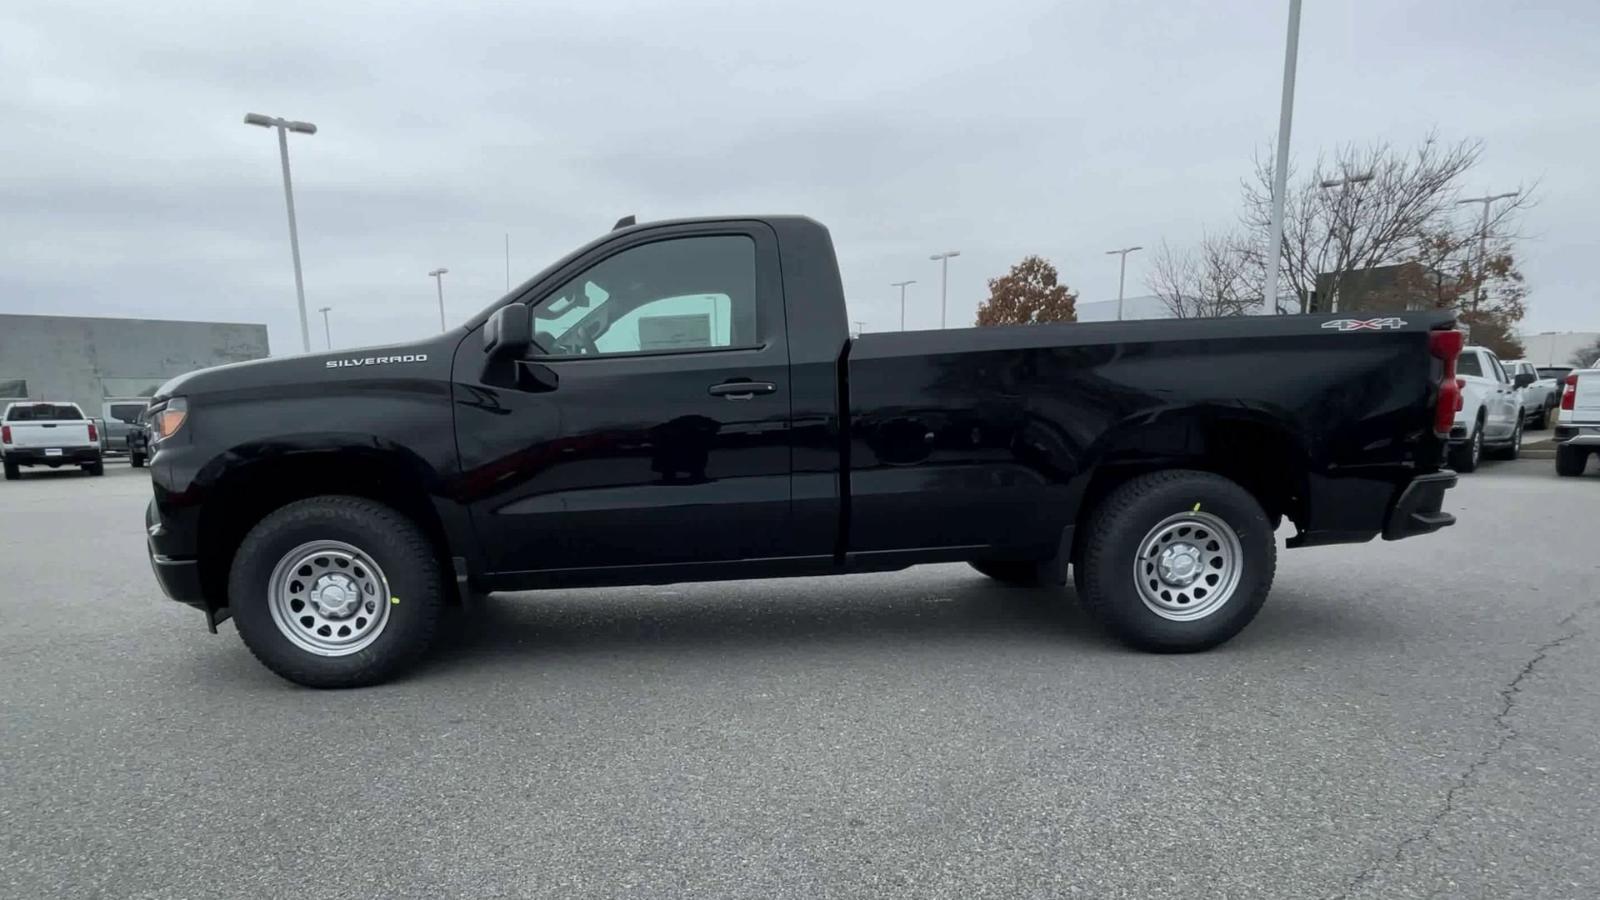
column 91, row 361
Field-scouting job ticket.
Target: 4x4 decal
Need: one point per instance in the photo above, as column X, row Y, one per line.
column 1364, row 324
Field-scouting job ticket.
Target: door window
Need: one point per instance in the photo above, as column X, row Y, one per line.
column 684, row 294
column 1467, row 364
column 1499, row 373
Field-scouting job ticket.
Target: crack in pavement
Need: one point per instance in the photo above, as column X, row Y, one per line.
column 1501, row 720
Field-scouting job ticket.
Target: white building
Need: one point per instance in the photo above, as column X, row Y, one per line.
column 1555, row 348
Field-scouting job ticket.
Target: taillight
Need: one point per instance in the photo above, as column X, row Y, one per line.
column 94, row 435
column 1445, row 346
column 5, row 434
column 1569, row 394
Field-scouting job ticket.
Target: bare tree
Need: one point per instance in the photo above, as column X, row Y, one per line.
column 1587, row 357
column 1212, row 281
column 1407, row 212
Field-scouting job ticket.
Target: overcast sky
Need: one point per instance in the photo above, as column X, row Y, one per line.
column 129, row 185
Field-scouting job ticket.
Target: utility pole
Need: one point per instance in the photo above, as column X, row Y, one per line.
column 438, row 277
column 1122, row 274
column 944, row 281
column 1280, row 169
column 902, row 286
column 1483, row 240
column 285, row 126
column 327, row 333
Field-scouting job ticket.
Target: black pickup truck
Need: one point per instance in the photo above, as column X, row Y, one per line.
column 681, row 401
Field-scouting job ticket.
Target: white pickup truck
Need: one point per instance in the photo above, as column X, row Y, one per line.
column 37, row 433
column 1577, row 434
column 1492, row 410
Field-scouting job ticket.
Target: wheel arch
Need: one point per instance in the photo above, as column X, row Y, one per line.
column 250, row 482
column 1254, row 448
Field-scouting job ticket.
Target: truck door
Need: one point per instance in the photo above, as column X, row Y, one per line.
column 654, row 429
column 1502, row 402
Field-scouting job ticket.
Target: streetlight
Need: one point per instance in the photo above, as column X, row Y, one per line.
column 438, row 278
column 285, row 126
column 327, row 332
column 902, row 286
column 944, row 279
column 1280, row 169
column 1122, row 274
column 1329, row 184
column 1483, row 237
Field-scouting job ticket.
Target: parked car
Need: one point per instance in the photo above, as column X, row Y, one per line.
column 1557, row 374
column 121, row 417
column 682, row 401
column 1491, row 415
column 41, row 433
column 1577, row 434
column 138, row 441
column 1541, row 395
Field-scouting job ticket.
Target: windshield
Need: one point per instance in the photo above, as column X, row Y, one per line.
column 40, row 412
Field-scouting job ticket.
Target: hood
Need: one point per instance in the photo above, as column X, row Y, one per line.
column 409, row 360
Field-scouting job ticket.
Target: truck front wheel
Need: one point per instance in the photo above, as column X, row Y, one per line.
column 1177, row 561
column 336, row 592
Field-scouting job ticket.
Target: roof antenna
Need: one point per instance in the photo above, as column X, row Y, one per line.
column 625, row 222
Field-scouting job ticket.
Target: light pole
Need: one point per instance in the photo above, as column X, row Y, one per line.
column 1122, row 274
column 1328, row 184
column 327, row 332
column 438, row 278
column 902, row 286
column 1280, row 169
column 1483, row 238
column 944, row 280
column 285, row 126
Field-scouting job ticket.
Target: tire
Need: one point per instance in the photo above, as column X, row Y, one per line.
column 1571, row 461
column 1513, row 449
column 1465, row 456
column 95, row 468
column 387, row 560
column 1118, row 561
column 1017, row 573
column 136, row 460
column 12, row 472
column 1541, row 420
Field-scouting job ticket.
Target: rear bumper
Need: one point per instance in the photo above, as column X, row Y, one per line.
column 38, row 456
column 1578, row 435
column 1419, row 509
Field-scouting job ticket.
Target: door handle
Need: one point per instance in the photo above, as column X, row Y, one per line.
column 741, row 390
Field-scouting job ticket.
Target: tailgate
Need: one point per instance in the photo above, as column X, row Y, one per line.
column 1586, row 405
column 73, row 433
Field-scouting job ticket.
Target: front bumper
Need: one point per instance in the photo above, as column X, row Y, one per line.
column 179, row 578
column 1418, row 511
column 37, row 456
column 1578, row 435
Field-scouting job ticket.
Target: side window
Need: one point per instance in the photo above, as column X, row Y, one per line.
column 1467, row 364
column 1499, row 373
column 694, row 293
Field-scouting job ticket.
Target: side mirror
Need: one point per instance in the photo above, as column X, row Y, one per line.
column 509, row 332
column 1523, row 379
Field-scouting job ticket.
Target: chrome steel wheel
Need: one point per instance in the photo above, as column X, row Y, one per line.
column 328, row 598
column 1188, row 566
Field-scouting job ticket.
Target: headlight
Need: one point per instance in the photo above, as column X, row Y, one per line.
column 167, row 418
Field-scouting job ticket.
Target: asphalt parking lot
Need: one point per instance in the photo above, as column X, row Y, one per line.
column 1414, row 719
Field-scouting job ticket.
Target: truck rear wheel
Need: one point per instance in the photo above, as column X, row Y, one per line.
column 12, row 472
column 1177, row 561
column 336, row 592
column 1571, row 460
